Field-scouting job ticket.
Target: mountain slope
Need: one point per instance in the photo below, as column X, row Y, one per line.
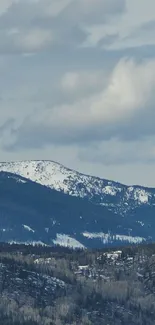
column 53, row 285
column 30, row 212
column 119, row 198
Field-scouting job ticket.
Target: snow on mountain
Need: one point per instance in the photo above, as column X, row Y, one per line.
column 46, row 173
column 111, row 214
column 27, row 243
column 108, row 238
column 28, row 228
column 67, row 241
column 115, row 196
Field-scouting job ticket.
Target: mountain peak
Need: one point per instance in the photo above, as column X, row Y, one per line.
column 101, row 191
column 110, row 211
column 44, row 172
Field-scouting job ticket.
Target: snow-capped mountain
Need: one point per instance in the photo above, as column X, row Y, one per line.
column 44, row 202
column 117, row 197
column 35, row 214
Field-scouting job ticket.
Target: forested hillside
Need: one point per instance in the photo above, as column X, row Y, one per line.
column 33, row 213
column 57, row 286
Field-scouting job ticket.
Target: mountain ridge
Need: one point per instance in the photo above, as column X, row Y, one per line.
column 33, row 213
column 96, row 189
column 14, row 162
column 86, row 211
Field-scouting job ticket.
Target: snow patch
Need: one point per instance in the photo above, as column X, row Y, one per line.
column 32, row 243
column 67, row 241
column 28, row 228
column 138, row 194
column 43, row 260
column 141, row 195
column 104, row 237
column 141, row 223
column 5, row 230
column 109, row 238
column 130, row 239
column 114, row 255
column 110, row 190
column 83, row 267
column 19, row 180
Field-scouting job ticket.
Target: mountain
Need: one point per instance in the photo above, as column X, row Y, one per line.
column 33, row 213
column 42, row 201
column 117, row 197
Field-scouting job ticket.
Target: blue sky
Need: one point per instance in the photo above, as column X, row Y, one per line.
column 77, row 85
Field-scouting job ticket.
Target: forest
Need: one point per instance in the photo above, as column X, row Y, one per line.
column 58, row 286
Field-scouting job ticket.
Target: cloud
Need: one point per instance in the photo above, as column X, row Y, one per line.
column 33, row 40
column 93, row 12
column 124, row 103
column 77, row 79
column 81, row 84
column 54, row 7
column 109, row 24
column 30, row 25
column 130, row 31
column 6, row 132
column 115, row 152
column 142, row 35
column 5, row 5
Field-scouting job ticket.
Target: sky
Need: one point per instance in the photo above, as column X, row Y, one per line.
column 77, row 85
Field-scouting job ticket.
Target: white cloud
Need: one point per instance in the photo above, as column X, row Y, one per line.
column 78, row 90
column 111, row 112
column 114, row 22
column 5, row 5
column 78, row 84
column 125, row 32
column 116, row 152
column 33, row 40
column 31, row 22
column 90, row 11
column 55, row 7
column 130, row 89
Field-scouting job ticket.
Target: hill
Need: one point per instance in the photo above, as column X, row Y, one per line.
column 30, row 212
column 42, row 201
column 58, row 286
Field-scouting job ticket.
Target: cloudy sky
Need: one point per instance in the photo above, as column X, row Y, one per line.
column 77, row 85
